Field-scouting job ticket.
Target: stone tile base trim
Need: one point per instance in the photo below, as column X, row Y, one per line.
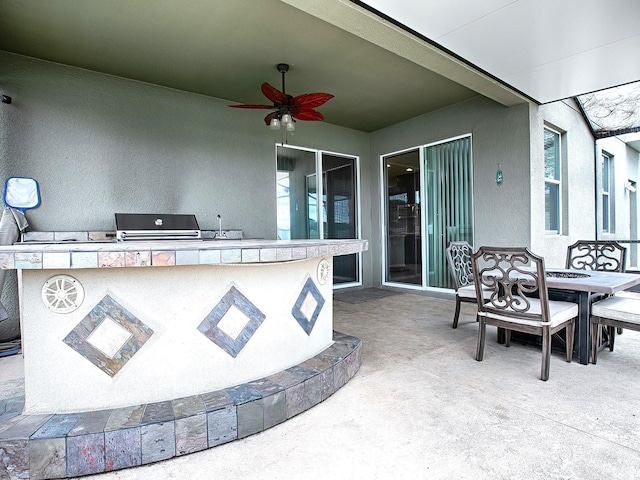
column 70, row 445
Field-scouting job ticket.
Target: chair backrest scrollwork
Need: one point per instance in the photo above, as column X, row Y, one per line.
column 603, row 255
column 459, row 261
column 513, row 277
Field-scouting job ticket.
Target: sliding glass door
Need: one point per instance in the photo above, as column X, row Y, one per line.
column 428, row 199
column 317, row 198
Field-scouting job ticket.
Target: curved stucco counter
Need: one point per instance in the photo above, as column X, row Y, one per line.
column 111, row 326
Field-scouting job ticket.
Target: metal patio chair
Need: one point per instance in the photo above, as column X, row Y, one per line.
column 611, row 313
column 459, row 262
column 519, row 299
column 604, row 255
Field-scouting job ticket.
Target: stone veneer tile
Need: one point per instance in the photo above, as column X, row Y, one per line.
column 250, row 418
column 312, row 252
column 28, row 260
column 187, row 257
column 222, row 426
column 11, row 407
column 340, row 376
column 84, row 259
column 58, row 426
column 110, row 259
column 216, row 400
column 275, row 409
column 265, row 386
column 91, row 422
column 111, row 440
column 71, row 236
column 108, row 310
column 38, row 236
column 286, row 378
column 56, row 260
column 250, row 255
column 187, row 406
column 313, row 391
column 210, row 329
column 268, row 254
column 233, row 255
column 243, row 393
column 85, row 454
column 163, row 258
column 47, row 458
column 299, row 253
column 7, row 261
column 14, row 459
column 24, row 427
column 283, row 254
column 323, row 250
column 123, row 448
column 158, row 442
column 158, row 412
column 137, row 259
column 209, row 257
column 125, row 417
column 328, row 383
column 191, row 434
column 295, row 400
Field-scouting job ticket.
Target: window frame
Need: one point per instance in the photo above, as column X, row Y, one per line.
column 556, row 181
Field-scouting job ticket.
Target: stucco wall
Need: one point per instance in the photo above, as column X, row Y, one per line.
column 625, row 219
column 578, row 180
column 100, row 144
column 500, row 135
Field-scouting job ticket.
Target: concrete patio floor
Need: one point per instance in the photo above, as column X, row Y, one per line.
column 422, row 407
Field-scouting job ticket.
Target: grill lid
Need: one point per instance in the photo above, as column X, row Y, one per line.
column 146, row 226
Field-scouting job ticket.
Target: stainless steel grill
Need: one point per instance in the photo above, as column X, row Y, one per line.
column 149, row 226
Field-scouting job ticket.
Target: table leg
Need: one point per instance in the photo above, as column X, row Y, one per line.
column 582, row 340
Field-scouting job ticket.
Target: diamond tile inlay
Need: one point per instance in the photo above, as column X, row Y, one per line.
column 308, row 306
column 227, row 334
column 109, row 336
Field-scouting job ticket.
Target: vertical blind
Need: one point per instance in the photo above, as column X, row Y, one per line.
column 449, row 196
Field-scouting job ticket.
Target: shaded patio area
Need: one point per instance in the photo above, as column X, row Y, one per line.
column 422, row 407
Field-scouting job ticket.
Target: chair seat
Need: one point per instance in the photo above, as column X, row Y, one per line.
column 469, row 291
column 623, row 309
column 559, row 312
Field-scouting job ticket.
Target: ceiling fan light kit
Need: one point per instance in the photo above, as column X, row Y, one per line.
column 288, row 109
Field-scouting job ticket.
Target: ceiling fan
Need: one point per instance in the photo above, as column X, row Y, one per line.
column 288, row 108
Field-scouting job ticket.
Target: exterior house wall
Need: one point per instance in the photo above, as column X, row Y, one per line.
column 500, row 136
column 624, row 203
column 578, row 180
column 99, row 144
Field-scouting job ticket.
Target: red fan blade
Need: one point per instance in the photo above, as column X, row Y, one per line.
column 306, row 114
column 311, row 100
column 273, row 94
column 251, row 105
column 270, row 117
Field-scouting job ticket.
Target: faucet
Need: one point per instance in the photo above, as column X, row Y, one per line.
column 220, row 234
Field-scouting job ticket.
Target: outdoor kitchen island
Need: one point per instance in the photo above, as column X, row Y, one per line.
column 136, row 352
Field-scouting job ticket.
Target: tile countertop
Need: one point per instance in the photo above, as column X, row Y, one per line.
column 141, row 253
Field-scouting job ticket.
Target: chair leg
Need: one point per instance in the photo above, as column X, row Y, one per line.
column 570, row 336
column 619, row 330
column 457, row 314
column 546, row 354
column 612, row 337
column 596, row 338
column 482, row 330
column 507, row 338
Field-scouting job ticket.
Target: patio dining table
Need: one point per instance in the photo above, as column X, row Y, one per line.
column 581, row 286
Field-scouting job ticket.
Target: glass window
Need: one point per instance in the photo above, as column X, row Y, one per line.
column 552, row 178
